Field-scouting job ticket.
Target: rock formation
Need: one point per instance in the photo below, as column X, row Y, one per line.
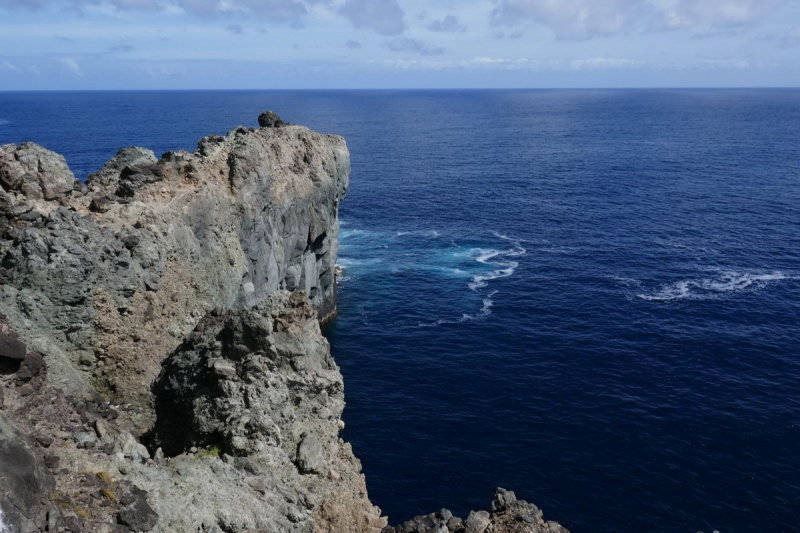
column 161, row 362
column 505, row 514
column 105, row 279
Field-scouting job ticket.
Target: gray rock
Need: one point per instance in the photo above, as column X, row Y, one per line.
column 502, row 499
column 508, row 515
column 107, row 179
column 269, row 119
column 477, row 522
column 10, row 346
column 109, row 282
column 138, row 516
column 25, row 482
column 34, row 171
column 235, row 381
column 310, row 455
column 131, row 448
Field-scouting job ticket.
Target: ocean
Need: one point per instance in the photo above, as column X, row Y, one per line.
column 589, row 297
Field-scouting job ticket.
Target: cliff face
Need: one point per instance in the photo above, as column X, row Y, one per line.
column 248, row 412
column 105, row 280
column 188, row 290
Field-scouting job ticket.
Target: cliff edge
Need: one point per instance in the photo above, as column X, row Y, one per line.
column 161, row 362
column 106, row 278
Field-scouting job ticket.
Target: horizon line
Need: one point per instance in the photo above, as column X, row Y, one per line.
column 310, row 89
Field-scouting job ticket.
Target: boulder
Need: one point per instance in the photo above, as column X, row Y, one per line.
column 25, row 482
column 34, row 171
column 269, row 119
column 10, row 346
column 138, row 516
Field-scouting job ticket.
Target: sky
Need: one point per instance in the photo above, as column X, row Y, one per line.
column 342, row 44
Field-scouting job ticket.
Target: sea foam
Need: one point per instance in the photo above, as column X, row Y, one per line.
column 726, row 283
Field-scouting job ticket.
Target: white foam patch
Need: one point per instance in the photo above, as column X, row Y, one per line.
column 505, row 268
column 433, row 234
column 726, row 283
column 447, row 258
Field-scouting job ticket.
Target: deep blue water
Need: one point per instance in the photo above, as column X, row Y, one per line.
column 589, row 297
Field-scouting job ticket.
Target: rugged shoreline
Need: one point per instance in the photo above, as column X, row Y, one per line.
column 163, row 367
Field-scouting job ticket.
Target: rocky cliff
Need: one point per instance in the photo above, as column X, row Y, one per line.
column 106, row 278
column 161, row 361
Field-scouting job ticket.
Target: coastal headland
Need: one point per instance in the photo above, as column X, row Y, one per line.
column 161, row 358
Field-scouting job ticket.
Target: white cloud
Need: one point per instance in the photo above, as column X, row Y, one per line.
column 719, row 13
column 385, row 17
column 790, row 39
column 406, row 44
column 70, row 64
column 281, row 10
column 598, row 63
column 23, row 4
column 573, row 19
column 586, row 19
column 449, row 24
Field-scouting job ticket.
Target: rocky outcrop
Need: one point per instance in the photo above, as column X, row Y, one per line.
column 106, row 279
column 259, row 386
column 277, row 464
column 505, row 514
column 25, row 482
column 161, row 362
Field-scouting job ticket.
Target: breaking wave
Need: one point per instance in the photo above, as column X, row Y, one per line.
column 423, row 252
column 726, row 283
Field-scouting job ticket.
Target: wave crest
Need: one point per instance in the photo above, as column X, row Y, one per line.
column 712, row 288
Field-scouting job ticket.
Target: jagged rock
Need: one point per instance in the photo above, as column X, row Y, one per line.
column 310, row 454
column 502, row 499
column 260, row 387
column 10, row 346
column 113, row 276
column 106, row 180
column 25, row 482
column 269, row 119
column 32, row 366
column 179, row 264
column 138, row 516
column 506, row 514
column 131, row 448
column 239, row 383
column 35, row 172
column 477, row 522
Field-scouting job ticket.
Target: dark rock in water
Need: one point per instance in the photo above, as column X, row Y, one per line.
column 138, row 516
column 25, row 482
column 269, row 119
column 502, row 499
column 506, row 515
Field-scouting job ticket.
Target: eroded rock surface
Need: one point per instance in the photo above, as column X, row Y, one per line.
column 156, row 372
column 105, row 279
column 505, row 514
